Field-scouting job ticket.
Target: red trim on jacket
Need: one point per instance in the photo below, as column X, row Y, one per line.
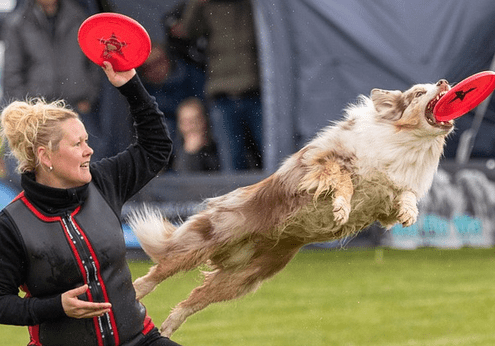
column 148, row 325
column 36, row 211
column 35, row 329
column 100, row 279
column 34, row 336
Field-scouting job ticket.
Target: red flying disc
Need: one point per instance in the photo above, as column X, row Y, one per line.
column 115, row 38
column 465, row 96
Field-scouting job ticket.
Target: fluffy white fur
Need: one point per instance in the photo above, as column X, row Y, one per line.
column 371, row 166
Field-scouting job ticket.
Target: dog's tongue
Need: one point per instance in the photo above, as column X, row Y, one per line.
column 465, row 96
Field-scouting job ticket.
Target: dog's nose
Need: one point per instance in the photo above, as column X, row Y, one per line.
column 442, row 81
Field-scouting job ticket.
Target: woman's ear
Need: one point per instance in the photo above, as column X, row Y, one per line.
column 44, row 157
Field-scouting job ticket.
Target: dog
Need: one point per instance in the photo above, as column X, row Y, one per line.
column 373, row 165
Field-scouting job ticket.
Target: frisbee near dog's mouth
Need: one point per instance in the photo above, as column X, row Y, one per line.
column 115, row 38
column 465, row 96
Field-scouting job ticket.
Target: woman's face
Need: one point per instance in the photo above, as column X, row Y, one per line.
column 70, row 161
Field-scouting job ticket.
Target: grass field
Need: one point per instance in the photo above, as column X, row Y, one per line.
column 346, row 297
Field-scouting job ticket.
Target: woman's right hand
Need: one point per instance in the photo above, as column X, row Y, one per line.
column 76, row 308
column 117, row 78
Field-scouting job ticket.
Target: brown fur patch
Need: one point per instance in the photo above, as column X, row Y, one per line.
column 389, row 105
column 348, row 125
column 328, row 172
column 203, row 227
column 267, row 205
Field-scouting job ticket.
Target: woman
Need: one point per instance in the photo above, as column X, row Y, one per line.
column 61, row 238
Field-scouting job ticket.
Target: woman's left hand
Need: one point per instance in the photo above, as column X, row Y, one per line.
column 76, row 308
column 117, row 78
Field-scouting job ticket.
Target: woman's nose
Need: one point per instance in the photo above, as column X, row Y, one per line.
column 89, row 151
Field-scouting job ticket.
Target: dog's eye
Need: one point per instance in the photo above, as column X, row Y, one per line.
column 419, row 93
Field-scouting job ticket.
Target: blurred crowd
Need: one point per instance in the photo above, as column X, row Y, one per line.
column 204, row 73
column 204, row 76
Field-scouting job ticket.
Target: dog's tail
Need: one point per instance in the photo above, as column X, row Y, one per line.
column 152, row 230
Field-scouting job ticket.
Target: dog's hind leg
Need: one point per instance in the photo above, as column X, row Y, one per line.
column 219, row 285
column 184, row 251
column 168, row 266
column 233, row 282
column 147, row 283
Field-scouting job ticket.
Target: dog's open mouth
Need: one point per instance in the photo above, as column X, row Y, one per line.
column 430, row 118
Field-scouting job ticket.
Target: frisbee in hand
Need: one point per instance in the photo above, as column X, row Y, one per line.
column 465, row 96
column 115, row 38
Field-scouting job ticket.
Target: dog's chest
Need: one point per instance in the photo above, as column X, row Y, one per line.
column 374, row 198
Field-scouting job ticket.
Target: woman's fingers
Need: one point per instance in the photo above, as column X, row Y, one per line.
column 76, row 308
column 117, row 78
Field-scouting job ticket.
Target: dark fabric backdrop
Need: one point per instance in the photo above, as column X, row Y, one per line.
column 319, row 55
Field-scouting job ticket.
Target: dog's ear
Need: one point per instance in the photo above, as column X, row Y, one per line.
column 389, row 104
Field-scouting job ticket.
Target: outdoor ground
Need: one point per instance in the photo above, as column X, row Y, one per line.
column 342, row 297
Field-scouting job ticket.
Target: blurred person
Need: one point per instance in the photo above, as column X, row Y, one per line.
column 170, row 80
column 61, row 238
column 198, row 152
column 43, row 58
column 233, row 82
column 96, row 6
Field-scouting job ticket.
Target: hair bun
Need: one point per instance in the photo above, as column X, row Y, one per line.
column 26, row 125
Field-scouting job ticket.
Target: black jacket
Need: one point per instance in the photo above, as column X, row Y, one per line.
column 116, row 179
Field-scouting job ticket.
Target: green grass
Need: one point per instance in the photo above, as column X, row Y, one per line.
column 346, row 297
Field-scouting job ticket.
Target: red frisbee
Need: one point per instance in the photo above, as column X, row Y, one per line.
column 465, row 96
column 115, row 38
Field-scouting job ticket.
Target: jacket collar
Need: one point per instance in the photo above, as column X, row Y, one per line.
column 52, row 200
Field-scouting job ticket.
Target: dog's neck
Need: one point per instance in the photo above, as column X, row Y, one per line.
column 410, row 160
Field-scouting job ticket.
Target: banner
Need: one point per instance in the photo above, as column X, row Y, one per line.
column 458, row 211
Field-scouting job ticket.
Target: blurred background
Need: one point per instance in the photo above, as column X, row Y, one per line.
column 299, row 63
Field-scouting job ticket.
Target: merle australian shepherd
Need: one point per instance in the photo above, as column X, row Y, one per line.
column 373, row 165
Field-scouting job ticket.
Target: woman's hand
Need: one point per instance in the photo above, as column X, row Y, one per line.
column 117, row 78
column 76, row 308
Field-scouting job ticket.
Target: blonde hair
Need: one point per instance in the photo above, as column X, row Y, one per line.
column 28, row 125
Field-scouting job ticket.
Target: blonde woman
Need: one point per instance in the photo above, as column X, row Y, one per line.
column 61, row 238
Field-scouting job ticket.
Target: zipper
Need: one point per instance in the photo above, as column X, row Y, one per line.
column 91, row 278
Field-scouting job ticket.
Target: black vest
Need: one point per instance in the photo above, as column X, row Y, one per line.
column 65, row 252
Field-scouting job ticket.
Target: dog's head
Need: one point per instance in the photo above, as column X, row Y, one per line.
column 413, row 109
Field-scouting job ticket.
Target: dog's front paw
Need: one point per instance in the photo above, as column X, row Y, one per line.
column 408, row 211
column 341, row 210
column 408, row 215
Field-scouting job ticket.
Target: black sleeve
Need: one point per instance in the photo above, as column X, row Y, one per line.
column 122, row 176
column 15, row 309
